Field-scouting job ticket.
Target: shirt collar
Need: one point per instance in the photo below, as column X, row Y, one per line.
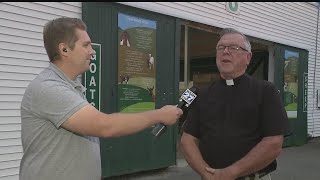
column 62, row 75
column 235, row 81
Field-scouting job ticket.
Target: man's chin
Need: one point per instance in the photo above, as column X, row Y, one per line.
column 226, row 74
column 226, row 71
column 85, row 70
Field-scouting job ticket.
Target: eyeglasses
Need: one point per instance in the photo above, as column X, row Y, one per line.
column 231, row 49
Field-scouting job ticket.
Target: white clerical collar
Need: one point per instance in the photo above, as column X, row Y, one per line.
column 229, row 82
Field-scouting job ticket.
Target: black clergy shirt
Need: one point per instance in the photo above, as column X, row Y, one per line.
column 230, row 120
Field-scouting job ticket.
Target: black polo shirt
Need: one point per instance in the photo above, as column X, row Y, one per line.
column 230, row 120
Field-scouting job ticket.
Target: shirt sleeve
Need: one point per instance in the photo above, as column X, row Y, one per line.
column 191, row 125
column 274, row 117
column 56, row 103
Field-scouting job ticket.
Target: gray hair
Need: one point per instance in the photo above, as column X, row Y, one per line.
column 234, row 31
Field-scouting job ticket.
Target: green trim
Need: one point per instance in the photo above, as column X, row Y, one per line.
column 298, row 125
column 178, row 24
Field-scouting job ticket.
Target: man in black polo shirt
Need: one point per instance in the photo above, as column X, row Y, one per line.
column 235, row 127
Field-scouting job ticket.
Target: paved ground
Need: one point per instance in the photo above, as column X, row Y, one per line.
column 300, row 163
column 295, row 163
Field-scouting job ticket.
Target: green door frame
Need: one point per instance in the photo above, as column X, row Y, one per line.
column 298, row 125
column 116, row 153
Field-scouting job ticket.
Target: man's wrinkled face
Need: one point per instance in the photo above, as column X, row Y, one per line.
column 232, row 58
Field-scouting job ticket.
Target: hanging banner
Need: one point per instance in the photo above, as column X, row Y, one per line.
column 136, row 63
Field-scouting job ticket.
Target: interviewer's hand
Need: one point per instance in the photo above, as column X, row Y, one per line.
column 169, row 114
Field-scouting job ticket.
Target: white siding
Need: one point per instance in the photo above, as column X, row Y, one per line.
column 22, row 57
column 314, row 85
column 289, row 23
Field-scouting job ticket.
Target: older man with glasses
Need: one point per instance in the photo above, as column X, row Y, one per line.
column 236, row 125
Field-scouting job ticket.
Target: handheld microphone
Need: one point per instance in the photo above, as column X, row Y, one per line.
column 185, row 101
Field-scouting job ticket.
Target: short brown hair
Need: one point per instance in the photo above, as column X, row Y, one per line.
column 61, row 30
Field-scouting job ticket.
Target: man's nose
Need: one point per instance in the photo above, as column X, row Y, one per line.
column 225, row 50
column 92, row 51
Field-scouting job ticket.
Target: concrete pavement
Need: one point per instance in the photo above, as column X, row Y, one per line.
column 294, row 163
column 299, row 163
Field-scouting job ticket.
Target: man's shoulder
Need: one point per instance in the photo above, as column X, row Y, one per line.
column 205, row 88
column 204, row 91
column 262, row 87
column 261, row 82
column 45, row 80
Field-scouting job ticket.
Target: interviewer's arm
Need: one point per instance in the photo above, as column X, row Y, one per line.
column 91, row 122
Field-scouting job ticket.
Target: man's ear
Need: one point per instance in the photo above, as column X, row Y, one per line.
column 63, row 49
column 249, row 56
